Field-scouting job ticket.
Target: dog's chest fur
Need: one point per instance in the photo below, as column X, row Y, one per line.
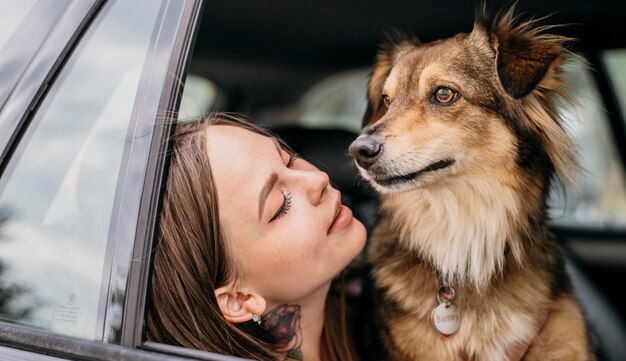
column 463, row 227
column 464, row 235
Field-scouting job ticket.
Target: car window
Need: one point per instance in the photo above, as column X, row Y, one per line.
column 615, row 62
column 24, row 25
column 600, row 196
column 12, row 13
column 58, row 188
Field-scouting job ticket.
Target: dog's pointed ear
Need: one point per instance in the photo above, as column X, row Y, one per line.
column 395, row 45
column 523, row 53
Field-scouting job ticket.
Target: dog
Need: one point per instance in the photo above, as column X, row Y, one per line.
column 461, row 139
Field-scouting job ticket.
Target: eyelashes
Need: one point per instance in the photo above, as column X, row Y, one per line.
column 284, row 207
column 292, row 158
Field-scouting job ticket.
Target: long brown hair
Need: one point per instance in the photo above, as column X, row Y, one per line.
column 192, row 259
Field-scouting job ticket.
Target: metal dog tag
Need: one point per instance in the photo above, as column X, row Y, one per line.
column 446, row 319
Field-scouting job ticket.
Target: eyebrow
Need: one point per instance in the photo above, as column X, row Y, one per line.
column 269, row 184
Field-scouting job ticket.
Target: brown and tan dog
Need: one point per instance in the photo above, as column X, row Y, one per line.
column 461, row 139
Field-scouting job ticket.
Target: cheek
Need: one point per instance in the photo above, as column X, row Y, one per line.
column 304, row 219
column 288, row 263
column 299, row 239
column 304, row 234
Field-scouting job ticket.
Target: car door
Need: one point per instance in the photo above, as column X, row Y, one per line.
column 86, row 103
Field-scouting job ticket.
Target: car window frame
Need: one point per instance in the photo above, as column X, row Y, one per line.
column 151, row 188
column 170, row 48
column 138, row 274
column 133, row 331
column 37, row 344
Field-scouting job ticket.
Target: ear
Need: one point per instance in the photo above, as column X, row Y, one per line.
column 522, row 63
column 396, row 45
column 523, row 53
column 237, row 305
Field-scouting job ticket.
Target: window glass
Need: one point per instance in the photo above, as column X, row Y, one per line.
column 12, row 13
column 56, row 193
column 615, row 62
column 24, row 26
column 600, row 196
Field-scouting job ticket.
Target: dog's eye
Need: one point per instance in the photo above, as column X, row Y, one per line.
column 444, row 95
column 386, row 100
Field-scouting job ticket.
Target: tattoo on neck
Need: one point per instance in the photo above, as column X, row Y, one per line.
column 283, row 327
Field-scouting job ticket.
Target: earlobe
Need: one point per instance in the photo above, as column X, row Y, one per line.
column 238, row 306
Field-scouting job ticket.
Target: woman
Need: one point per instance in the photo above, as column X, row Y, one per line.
column 251, row 237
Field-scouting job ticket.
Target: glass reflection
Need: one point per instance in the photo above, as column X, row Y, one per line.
column 24, row 26
column 12, row 14
column 10, row 293
column 58, row 190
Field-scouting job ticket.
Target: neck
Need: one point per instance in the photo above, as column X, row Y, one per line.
column 297, row 326
column 312, row 325
column 463, row 227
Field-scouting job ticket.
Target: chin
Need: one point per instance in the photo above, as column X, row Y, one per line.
column 355, row 239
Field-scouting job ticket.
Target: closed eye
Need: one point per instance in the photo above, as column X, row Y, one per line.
column 292, row 158
column 284, row 207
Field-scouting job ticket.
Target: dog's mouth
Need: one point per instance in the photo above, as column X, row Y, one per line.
column 390, row 181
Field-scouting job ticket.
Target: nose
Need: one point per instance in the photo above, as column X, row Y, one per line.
column 315, row 182
column 365, row 151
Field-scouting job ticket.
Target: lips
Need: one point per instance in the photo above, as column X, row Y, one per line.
column 388, row 181
column 343, row 216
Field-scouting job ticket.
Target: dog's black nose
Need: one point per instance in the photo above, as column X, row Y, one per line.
column 365, row 151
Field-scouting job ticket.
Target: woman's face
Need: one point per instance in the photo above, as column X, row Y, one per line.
column 288, row 232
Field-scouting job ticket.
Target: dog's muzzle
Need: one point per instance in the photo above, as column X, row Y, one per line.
column 365, row 151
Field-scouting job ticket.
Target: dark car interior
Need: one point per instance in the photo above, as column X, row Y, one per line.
column 268, row 59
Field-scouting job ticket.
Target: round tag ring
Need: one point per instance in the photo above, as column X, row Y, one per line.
column 446, row 295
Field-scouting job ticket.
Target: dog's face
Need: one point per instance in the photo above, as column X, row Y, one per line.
column 441, row 110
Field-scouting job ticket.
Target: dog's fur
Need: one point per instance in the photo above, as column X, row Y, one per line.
column 479, row 223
